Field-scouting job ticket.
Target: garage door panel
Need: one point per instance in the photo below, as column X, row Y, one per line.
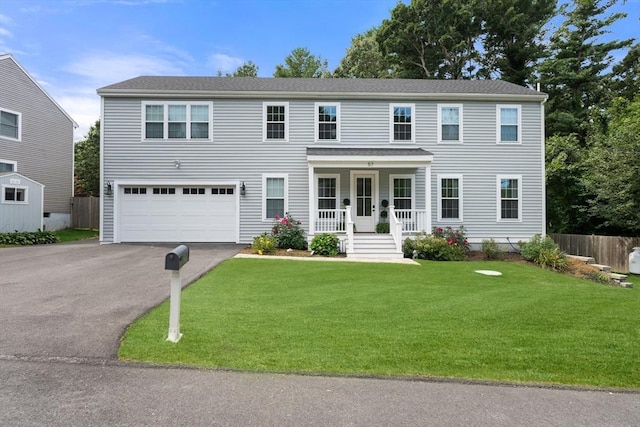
column 178, row 215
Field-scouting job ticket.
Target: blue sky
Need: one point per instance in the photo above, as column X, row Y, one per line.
column 73, row 47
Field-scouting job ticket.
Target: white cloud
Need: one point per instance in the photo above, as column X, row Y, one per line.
column 4, row 19
column 84, row 109
column 5, row 33
column 223, row 62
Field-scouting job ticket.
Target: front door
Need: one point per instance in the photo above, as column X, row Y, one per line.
column 364, row 208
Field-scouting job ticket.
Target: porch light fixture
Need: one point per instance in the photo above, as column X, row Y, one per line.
column 108, row 188
column 243, row 189
column 176, row 163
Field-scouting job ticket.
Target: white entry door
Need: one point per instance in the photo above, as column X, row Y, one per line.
column 365, row 199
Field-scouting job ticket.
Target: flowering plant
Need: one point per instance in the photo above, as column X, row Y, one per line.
column 453, row 237
column 288, row 233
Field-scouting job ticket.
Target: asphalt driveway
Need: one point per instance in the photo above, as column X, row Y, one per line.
column 76, row 299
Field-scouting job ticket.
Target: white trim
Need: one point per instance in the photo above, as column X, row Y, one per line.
column 460, row 124
column 15, row 187
column 264, row 193
column 543, row 170
column 394, row 105
column 19, row 118
column 165, row 120
column 412, row 177
column 9, row 56
column 375, row 194
column 10, row 162
column 311, row 173
column 499, row 108
column 427, row 196
column 459, row 177
column 102, row 196
column 316, row 189
column 499, row 198
column 365, row 162
column 317, row 121
column 266, row 104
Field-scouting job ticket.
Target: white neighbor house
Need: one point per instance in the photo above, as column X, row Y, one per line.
column 215, row 159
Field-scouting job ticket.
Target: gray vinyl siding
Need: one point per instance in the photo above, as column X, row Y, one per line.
column 45, row 152
column 238, row 153
column 21, row 216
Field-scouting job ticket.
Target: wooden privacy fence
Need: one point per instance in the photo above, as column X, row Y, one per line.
column 608, row 250
column 85, row 212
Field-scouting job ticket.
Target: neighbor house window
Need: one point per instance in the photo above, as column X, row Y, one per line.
column 402, row 122
column 177, row 121
column 508, row 124
column 509, row 198
column 8, row 166
column 402, row 192
column 450, row 197
column 274, row 191
column 10, row 124
column 449, row 123
column 327, row 122
column 276, row 121
column 327, row 192
column 14, row 194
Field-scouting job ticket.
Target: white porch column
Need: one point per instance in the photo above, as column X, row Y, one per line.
column 427, row 196
column 312, row 197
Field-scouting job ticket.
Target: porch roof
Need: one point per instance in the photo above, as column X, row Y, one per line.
column 368, row 157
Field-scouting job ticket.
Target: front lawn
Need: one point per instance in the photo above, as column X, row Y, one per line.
column 74, row 234
column 437, row 319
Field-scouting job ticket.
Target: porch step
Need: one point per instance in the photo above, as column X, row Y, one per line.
column 374, row 246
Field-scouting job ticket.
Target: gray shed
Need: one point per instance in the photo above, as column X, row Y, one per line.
column 21, row 203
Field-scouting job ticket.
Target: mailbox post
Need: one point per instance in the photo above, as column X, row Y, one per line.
column 174, row 261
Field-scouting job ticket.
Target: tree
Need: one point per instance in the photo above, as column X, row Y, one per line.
column 364, row 59
column 301, row 63
column 87, row 163
column 574, row 75
column 248, row 69
column 512, row 41
column 613, row 170
column 433, row 39
column 626, row 74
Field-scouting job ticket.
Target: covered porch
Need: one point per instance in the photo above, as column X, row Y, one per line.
column 352, row 190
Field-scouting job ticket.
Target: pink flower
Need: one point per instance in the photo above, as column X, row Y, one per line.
column 277, row 217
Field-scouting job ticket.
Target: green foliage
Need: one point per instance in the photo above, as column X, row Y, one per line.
column 364, row 59
column 289, row 233
column 382, row 228
column 248, row 69
column 265, row 243
column 626, row 74
column 492, row 249
column 73, row 235
column 325, row 244
column 545, row 252
column 28, row 238
column 454, row 237
column 301, row 63
column 426, row 246
column 87, row 163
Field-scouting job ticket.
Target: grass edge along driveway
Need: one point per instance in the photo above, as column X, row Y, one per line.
column 439, row 319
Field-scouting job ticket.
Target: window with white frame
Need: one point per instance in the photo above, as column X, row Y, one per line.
column 8, row 166
column 274, row 193
column 14, row 194
column 10, row 124
column 508, row 124
column 327, row 192
column 449, row 123
column 402, row 196
column 177, row 120
column 450, row 197
column 402, row 122
column 509, row 197
column 276, row 121
column 327, row 121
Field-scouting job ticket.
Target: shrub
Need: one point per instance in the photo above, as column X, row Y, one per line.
column 28, row 238
column 264, row 243
column 408, row 246
column 433, row 248
column 382, row 227
column 544, row 251
column 492, row 249
column 454, row 237
column 325, row 244
column 288, row 233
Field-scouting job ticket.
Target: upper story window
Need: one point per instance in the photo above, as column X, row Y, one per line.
column 509, row 198
column 10, row 124
column 508, row 124
column 402, row 122
column 275, row 121
column 8, row 166
column 449, row 123
column 177, row 120
column 327, row 121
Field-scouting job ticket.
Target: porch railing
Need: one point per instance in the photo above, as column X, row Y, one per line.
column 349, row 226
column 395, row 228
column 413, row 220
column 330, row 220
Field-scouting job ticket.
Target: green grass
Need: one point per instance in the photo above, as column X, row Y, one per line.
column 71, row 235
column 437, row 319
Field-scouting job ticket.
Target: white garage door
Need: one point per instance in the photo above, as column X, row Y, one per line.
column 178, row 214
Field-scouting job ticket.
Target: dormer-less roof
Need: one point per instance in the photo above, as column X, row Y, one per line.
column 247, row 87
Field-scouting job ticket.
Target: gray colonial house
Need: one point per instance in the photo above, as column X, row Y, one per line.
column 36, row 148
column 216, row 159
